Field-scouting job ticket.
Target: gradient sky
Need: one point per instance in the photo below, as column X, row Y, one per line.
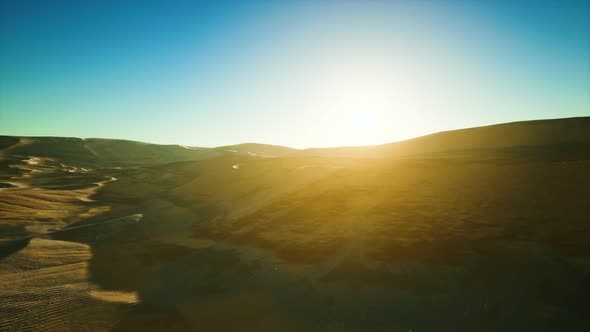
column 295, row 73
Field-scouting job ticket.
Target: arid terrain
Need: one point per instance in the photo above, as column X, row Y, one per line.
column 480, row 229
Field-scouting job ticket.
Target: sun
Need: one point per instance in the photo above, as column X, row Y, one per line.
column 361, row 120
column 359, row 104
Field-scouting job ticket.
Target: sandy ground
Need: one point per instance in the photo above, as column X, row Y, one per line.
column 44, row 283
column 480, row 240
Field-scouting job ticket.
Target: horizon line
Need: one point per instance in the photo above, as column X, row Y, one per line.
column 296, row 148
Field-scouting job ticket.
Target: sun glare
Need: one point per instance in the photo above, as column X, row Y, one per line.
column 361, row 121
column 354, row 103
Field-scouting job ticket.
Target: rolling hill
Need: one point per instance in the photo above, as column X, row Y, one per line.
column 476, row 229
column 570, row 135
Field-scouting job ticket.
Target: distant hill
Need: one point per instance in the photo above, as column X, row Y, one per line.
column 256, row 149
column 138, row 152
column 571, row 134
column 99, row 151
column 112, row 152
column 557, row 136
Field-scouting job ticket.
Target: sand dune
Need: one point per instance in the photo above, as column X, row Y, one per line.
column 45, row 286
column 479, row 229
column 571, row 135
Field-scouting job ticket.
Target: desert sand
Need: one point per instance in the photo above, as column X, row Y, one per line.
column 480, row 229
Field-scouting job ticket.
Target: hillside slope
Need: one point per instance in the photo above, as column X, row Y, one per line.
column 570, row 135
column 481, row 229
column 95, row 152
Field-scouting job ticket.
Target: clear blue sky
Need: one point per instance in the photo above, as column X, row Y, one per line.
column 296, row 73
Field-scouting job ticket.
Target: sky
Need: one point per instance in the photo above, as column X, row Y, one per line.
column 295, row 73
